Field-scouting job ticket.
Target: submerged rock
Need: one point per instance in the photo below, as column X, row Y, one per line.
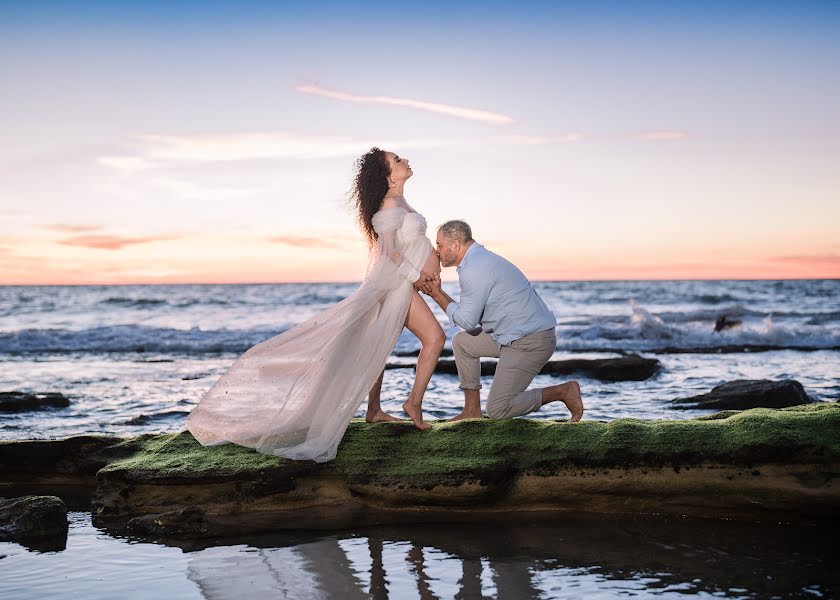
column 21, row 401
column 190, row 521
column 749, row 393
column 624, row 368
column 32, row 517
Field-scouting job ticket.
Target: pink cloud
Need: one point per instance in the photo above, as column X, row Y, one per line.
column 528, row 140
column 815, row 259
column 462, row 112
column 662, row 135
column 109, row 242
column 65, row 228
column 307, row 241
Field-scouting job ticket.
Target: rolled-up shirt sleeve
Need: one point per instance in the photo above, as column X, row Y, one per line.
column 467, row 312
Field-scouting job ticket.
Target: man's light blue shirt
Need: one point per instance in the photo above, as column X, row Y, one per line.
column 497, row 296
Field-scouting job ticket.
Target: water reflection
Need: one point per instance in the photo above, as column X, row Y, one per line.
column 313, row 570
column 569, row 558
column 572, row 559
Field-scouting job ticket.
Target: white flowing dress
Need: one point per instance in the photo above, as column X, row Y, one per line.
column 294, row 394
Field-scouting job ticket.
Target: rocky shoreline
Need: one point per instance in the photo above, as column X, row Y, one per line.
column 757, row 465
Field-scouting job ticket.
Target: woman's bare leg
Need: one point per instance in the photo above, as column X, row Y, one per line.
column 422, row 323
column 375, row 414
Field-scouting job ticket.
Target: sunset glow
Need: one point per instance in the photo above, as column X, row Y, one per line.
column 210, row 144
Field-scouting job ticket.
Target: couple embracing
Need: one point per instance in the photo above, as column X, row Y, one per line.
column 294, row 394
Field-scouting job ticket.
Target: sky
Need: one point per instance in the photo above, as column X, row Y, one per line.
column 214, row 142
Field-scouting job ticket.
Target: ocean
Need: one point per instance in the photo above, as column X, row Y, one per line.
column 135, row 359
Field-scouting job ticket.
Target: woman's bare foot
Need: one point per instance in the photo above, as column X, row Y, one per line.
column 380, row 416
column 467, row 414
column 569, row 394
column 416, row 413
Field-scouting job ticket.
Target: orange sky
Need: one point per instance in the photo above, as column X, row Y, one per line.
column 101, row 259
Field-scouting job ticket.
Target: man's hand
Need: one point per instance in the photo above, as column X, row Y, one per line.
column 431, row 285
column 433, row 289
column 423, row 283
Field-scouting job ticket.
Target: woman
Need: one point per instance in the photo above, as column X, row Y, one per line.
column 293, row 395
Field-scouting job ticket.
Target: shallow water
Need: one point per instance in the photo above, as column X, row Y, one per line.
column 571, row 558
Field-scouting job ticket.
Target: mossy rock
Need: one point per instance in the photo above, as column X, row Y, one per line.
column 485, row 450
column 754, row 464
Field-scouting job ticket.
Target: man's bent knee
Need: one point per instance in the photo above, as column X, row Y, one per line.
column 498, row 409
column 458, row 341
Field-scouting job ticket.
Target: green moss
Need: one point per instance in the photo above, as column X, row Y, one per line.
column 179, row 454
column 488, row 451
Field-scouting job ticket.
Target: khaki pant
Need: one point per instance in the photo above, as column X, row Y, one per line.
column 519, row 363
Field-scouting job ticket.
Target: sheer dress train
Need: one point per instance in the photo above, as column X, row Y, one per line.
column 294, row 394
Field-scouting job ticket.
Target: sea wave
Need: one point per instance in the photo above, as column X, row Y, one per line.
column 640, row 330
column 133, row 338
column 645, row 331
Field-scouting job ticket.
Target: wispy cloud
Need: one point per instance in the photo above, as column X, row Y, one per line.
column 662, row 135
column 127, row 164
column 310, row 241
column 66, row 228
column 462, row 112
column 110, row 242
column 814, row 259
column 189, row 189
column 155, row 150
column 574, row 136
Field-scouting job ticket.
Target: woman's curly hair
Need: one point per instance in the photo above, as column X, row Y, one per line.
column 369, row 188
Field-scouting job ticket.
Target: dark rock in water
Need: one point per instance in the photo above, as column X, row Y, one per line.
column 79, row 455
column 400, row 365
column 65, row 468
column 21, row 401
column 144, row 419
column 188, row 521
column 724, row 322
column 624, row 368
column 32, row 517
column 401, row 353
column 750, row 393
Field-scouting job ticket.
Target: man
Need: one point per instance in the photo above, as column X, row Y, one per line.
column 503, row 317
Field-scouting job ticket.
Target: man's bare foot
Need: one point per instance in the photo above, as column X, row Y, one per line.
column 416, row 415
column 466, row 414
column 380, row 417
column 569, row 394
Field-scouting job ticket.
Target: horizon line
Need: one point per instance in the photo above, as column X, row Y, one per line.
column 359, row 282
